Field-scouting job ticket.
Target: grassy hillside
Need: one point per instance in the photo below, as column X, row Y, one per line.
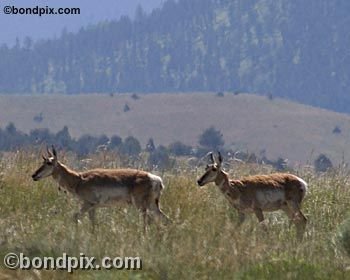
column 203, row 242
column 248, row 122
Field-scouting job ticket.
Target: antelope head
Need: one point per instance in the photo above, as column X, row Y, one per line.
column 47, row 167
column 211, row 171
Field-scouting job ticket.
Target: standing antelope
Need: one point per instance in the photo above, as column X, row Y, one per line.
column 105, row 187
column 260, row 193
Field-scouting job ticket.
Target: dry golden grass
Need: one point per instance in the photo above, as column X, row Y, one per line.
column 203, row 241
column 248, row 122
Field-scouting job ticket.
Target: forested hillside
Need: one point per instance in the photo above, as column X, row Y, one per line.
column 49, row 26
column 294, row 49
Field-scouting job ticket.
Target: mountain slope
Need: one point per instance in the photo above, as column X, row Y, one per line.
column 292, row 49
column 49, row 26
column 248, row 122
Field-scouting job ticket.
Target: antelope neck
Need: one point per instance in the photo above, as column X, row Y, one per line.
column 222, row 180
column 66, row 178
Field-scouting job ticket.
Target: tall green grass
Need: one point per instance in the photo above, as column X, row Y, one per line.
column 202, row 242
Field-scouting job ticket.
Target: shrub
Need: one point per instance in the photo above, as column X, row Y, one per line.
column 63, row 138
column 179, row 149
column 322, row 163
column 126, row 108
column 116, row 141
column 86, row 144
column 159, row 158
column 150, row 147
column 131, row 146
column 336, row 130
column 39, row 117
column 135, row 96
column 211, row 138
column 40, row 136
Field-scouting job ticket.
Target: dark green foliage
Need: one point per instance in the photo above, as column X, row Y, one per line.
column 38, row 118
column 159, row 158
column 131, row 146
column 211, row 139
column 103, row 140
column 126, row 108
column 135, row 96
column 86, row 144
column 116, row 141
column 150, row 147
column 11, row 138
column 322, row 163
column 179, row 149
column 63, row 138
column 40, row 136
column 11, row 129
column 294, row 49
column 336, row 130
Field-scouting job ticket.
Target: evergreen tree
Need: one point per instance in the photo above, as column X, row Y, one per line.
column 211, row 139
column 131, row 146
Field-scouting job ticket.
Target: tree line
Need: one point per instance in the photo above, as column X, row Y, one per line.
column 211, row 139
column 13, row 139
column 293, row 49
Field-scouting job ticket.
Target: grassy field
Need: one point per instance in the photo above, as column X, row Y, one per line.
column 203, row 241
column 248, row 122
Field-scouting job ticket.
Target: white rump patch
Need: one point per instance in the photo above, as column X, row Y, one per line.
column 156, row 181
column 303, row 183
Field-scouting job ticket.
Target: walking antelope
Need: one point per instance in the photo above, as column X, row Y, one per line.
column 260, row 193
column 105, row 187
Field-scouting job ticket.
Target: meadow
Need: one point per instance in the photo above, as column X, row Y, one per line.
column 274, row 128
column 202, row 242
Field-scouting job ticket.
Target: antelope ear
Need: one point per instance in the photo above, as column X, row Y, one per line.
column 44, row 158
column 54, row 152
column 48, row 151
column 211, row 155
column 220, row 157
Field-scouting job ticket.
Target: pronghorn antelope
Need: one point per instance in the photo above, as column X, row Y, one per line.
column 260, row 193
column 105, row 187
